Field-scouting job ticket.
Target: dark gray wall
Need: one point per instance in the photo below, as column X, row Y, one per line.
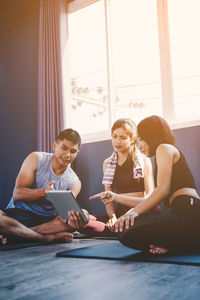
column 18, row 87
column 188, row 139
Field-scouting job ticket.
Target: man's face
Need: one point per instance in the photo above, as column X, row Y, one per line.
column 65, row 152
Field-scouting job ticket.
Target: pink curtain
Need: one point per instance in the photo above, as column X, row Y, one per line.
column 52, row 37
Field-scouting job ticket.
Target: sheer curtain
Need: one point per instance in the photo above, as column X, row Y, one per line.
column 52, row 41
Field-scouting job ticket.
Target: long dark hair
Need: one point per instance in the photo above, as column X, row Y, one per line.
column 155, row 131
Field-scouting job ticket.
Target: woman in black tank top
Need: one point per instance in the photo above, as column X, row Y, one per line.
column 127, row 171
column 180, row 229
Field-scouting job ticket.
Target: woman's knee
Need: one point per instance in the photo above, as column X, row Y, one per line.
column 131, row 238
column 140, row 235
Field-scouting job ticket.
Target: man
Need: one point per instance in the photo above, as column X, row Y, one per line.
column 43, row 171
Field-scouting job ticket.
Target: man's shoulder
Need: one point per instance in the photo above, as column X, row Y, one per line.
column 69, row 172
column 43, row 154
column 44, row 159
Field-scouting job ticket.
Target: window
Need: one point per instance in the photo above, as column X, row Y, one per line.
column 136, row 62
column 88, row 72
column 185, row 49
column 133, row 59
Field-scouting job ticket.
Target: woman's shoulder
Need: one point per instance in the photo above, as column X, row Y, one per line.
column 110, row 161
column 112, row 158
column 168, row 151
column 167, row 148
column 105, row 163
column 106, row 160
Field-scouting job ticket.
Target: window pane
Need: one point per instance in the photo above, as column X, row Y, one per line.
column 136, row 59
column 184, row 25
column 89, row 101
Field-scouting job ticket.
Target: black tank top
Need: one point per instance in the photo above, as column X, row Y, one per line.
column 181, row 176
column 124, row 182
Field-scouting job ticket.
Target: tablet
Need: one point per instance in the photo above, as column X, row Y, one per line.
column 64, row 201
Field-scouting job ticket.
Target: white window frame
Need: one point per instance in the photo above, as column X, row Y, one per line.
column 165, row 66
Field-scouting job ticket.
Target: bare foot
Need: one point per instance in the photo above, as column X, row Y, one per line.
column 55, row 226
column 61, row 237
column 157, row 250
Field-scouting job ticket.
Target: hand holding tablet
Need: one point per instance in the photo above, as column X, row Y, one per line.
column 64, row 202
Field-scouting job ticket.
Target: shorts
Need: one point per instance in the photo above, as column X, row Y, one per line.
column 27, row 218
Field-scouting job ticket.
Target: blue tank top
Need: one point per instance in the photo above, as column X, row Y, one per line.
column 43, row 175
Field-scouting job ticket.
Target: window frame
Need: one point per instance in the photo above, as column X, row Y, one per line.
column 165, row 67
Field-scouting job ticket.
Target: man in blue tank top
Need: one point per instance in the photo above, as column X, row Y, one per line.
column 42, row 171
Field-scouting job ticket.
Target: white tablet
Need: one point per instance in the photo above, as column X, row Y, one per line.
column 64, row 201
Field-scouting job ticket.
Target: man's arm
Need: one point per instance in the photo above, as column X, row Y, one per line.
column 25, row 179
column 75, row 188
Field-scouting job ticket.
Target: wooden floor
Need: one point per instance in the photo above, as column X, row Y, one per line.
column 35, row 273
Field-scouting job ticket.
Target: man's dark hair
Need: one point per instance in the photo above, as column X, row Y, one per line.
column 155, row 131
column 70, row 135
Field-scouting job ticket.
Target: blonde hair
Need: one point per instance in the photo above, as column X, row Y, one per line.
column 131, row 130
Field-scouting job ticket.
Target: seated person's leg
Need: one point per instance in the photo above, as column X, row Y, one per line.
column 94, row 227
column 158, row 230
column 54, row 226
column 97, row 226
column 26, row 217
column 12, row 228
column 75, row 222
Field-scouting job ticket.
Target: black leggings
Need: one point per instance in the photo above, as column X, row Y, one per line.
column 179, row 231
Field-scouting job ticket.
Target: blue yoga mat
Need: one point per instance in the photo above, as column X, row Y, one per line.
column 188, row 259
column 21, row 245
column 104, row 251
column 116, row 251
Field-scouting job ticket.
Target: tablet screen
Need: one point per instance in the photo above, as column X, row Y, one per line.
column 64, row 201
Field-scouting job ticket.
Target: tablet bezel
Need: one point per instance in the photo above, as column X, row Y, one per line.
column 64, row 201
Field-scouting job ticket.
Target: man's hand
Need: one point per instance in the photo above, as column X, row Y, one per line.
column 106, row 197
column 76, row 220
column 49, row 186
